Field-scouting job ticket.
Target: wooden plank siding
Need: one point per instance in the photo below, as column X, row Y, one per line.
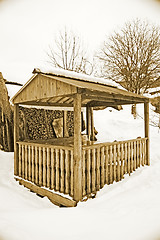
column 43, row 87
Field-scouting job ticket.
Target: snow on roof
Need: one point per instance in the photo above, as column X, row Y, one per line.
column 78, row 76
column 154, row 92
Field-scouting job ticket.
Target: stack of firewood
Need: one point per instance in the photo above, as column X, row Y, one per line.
column 37, row 123
column 70, row 123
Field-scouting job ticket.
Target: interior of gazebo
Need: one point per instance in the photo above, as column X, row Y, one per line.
column 77, row 166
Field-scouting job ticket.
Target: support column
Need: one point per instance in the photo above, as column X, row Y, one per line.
column 16, row 137
column 146, row 123
column 88, row 122
column 65, row 132
column 92, row 124
column 77, row 192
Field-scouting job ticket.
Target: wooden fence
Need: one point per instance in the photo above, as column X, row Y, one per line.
column 108, row 162
column 48, row 166
column 53, row 166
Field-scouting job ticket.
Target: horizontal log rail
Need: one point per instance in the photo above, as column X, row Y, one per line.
column 107, row 162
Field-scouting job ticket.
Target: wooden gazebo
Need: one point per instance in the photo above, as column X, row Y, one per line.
column 66, row 165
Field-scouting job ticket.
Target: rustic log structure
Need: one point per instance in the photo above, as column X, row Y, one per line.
column 71, row 165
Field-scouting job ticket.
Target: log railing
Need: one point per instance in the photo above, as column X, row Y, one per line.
column 108, row 162
column 47, row 165
column 53, row 166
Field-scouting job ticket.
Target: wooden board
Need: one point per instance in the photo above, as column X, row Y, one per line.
column 53, row 197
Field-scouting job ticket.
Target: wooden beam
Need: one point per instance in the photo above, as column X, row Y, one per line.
column 16, row 137
column 53, row 197
column 109, row 104
column 77, row 191
column 146, row 123
column 110, row 95
column 47, row 104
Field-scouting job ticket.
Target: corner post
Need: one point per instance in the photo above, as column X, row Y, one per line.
column 146, row 123
column 92, row 124
column 16, row 137
column 77, row 192
column 88, row 122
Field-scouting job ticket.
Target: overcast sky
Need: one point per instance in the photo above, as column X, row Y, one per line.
column 27, row 27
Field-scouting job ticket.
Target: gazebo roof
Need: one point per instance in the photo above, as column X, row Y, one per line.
column 59, row 87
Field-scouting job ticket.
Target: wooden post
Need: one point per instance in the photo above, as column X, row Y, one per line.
column 88, row 122
column 92, row 124
column 77, row 191
column 16, row 137
column 146, row 123
column 65, row 132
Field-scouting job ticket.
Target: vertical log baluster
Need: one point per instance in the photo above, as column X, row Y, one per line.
column 52, row 168
column 61, row 170
column 102, row 167
column 44, row 166
column 48, row 168
column 57, row 169
column 129, row 159
column 114, row 162
column 98, row 170
column 131, row 166
column 88, row 171
column 20, row 161
column 110, row 164
column 23, row 161
column 32, row 163
column 125, row 157
column 40, row 166
column 118, row 163
column 26, row 162
column 138, row 155
column 135, row 157
column 36, row 165
column 106, row 161
column 122, row 160
column 29, row 163
column 145, row 161
column 142, row 143
column 67, row 165
column 71, row 181
column 93, row 171
column 84, row 172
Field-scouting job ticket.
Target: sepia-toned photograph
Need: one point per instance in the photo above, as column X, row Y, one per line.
column 79, row 120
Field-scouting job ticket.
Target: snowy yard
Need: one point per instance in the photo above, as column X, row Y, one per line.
column 127, row 210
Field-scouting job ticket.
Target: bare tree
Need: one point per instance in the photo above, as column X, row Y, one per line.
column 132, row 56
column 69, row 53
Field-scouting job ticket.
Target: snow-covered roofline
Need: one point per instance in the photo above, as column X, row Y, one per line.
column 78, row 76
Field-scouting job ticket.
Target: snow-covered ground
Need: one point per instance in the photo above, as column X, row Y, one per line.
column 127, row 210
